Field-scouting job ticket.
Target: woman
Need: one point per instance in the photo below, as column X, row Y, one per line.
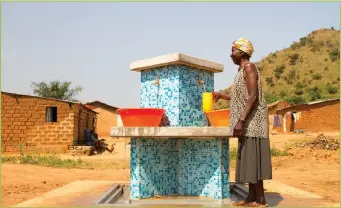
column 249, row 123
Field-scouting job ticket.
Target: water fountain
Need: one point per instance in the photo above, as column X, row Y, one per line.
column 184, row 158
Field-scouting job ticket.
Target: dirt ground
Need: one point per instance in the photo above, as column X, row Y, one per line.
column 316, row 171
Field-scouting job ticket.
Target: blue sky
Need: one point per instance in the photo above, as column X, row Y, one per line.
column 92, row 44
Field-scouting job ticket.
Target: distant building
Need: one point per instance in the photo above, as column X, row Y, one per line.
column 42, row 124
column 106, row 118
column 275, row 120
column 278, row 105
column 320, row 116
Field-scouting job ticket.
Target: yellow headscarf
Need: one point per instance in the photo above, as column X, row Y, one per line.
column 244, row 45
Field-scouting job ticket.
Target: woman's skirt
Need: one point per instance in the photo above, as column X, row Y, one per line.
column 253, row 160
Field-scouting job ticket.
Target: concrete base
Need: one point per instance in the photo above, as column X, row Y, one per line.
column 171, row 132
column 182, row 201
column 77, row 193
column 87, row 193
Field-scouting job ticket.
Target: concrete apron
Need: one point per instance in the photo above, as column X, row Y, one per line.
column 87, row 193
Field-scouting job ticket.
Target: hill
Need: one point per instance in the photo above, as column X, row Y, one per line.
column 308, row 70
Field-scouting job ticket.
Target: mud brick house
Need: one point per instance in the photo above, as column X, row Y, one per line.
column 42, row 124
column 106, row 117
column 320, row 116
column 275, row 120
column 278, row 105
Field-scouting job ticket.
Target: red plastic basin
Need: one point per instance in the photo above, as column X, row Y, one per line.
column 134, row 117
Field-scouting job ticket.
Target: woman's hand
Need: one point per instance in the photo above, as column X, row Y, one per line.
column 216, row 96
column 238, row 129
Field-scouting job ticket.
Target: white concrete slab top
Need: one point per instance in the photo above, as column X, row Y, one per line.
column 176, row 58
column 170, row 132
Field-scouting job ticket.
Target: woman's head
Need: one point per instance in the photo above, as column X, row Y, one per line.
column 241, row 49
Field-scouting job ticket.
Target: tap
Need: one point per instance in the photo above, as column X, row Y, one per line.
column 156, row 81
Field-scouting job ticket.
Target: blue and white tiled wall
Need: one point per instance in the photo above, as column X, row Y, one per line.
column 178, row 93
column 153, row 169
column 187, row 167
column 201, row 170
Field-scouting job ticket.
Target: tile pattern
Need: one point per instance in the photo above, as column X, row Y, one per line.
column 164, row 95
column 178, row 166
column 200, row 168
column 153, row 169
column 225, row 172
column 191, row 95
column 178, row 93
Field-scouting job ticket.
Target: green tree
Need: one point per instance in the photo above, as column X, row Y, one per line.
column 56, row 89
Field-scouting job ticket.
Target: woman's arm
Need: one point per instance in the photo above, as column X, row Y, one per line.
column 218, row 95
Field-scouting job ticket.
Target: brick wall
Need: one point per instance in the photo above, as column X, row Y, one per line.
column 321, row 117
column 24, row 123
column 106, row 119
column 87, row 120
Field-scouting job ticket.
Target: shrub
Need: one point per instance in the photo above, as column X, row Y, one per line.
column 270, row 97
column 305, row 41
column 316, row 76
column 277, row 152
column 298, row 92
column 299, row 85
column 45, row 160
column 279, row 70
column 299, row 88
column 294, row 45
column 315, row 93
column 334, row 54
column 270, row 81
column 293, row 58
column 331, row 89
column 296, row 100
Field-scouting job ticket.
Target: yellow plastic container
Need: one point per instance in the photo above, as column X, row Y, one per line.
column 207, row 101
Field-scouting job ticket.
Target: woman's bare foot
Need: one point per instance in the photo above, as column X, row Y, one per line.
column 247, row 200
column 259, row 202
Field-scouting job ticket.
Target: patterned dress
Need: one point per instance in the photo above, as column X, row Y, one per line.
column 254, row 158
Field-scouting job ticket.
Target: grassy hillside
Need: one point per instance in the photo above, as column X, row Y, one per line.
column 308, row 70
